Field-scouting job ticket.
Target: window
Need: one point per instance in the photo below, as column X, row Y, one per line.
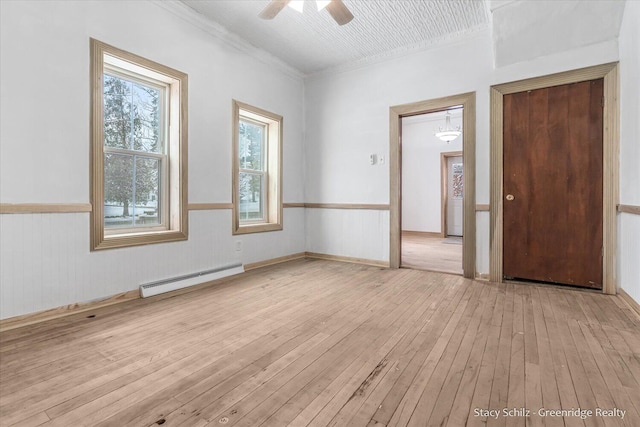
column 139, row 146
column 257, row 173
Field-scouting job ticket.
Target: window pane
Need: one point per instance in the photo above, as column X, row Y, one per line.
column 118, row 190
column 131, row 115
column 251, row 200
column 147, row 195
column 251, row 140
column 146, row 118
column 124, row 204
column 117, row 112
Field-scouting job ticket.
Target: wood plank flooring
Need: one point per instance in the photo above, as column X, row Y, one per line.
column 431, row 253
column 323, row 343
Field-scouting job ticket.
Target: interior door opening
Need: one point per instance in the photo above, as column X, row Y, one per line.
column 432, row 195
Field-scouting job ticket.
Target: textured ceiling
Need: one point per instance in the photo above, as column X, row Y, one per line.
column 312, row 42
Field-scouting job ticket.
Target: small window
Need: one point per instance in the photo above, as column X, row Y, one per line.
column 257, row 148
column 139, row 142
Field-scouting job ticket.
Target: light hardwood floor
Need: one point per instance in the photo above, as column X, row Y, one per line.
column 314, row 342
column 431, row 253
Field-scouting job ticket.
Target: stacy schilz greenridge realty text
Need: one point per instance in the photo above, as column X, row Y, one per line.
column 544, row 412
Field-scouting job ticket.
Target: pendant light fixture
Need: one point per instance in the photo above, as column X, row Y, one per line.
column 449, row 133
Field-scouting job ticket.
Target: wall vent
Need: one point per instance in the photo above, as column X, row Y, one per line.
column 180, row 282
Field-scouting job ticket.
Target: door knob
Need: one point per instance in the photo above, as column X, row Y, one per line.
column 510, row 197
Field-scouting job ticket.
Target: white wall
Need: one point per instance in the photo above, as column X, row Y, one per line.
column 347, row 117
column 529, row 29
column 421, row 174
column 629, row 225
column 44, row 152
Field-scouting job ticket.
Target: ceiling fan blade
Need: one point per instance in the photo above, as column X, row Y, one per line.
column 339, row 12
column 273, row 9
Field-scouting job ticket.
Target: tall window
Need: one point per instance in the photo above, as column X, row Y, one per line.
column 257, row 195
column 138, row 150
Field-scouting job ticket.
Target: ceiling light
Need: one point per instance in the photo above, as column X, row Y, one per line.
column 322, row 4
column 449, row 133
column 336, row 8
column 297, row 5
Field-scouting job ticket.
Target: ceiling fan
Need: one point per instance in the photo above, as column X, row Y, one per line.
column 336, row 8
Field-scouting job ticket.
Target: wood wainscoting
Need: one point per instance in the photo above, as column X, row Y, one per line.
column 317, row 343
column 631, row 209
column 44, row 208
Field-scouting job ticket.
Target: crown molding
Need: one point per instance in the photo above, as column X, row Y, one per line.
column 219, row 32
column 497, row 4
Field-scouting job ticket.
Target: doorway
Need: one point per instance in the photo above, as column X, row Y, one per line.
column 501, row 196
column 432, row 191
column 396, row 115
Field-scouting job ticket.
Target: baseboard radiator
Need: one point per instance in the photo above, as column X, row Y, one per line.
column 181, row 282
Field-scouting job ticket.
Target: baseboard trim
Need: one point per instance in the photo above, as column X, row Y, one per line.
column 482, row 276
column 630, row 301
column 364, row 261
column 66, row 310
column 273, row 261
column 422, row 233
column 71, row 309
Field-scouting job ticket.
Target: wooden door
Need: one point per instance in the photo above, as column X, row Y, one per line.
column 553, row 184
column 455, row 189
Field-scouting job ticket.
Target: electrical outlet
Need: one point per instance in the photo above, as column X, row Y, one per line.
column 238, row 245
column 381, row 159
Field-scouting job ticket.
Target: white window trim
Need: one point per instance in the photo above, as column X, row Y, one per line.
column 175, row 224
column 273, row 162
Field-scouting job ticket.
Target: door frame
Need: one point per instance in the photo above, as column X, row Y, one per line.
column 444, row 190
column 610, row 141
column 468, row 102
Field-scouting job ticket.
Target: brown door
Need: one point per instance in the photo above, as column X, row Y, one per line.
column 553, row 184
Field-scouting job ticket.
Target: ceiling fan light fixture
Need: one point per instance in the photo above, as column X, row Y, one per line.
column 449, row 133
column 322, row 4
column 297, row 5
column 336, row 8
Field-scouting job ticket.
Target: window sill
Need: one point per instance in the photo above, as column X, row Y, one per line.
column 257, row 228
column 138, row 239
